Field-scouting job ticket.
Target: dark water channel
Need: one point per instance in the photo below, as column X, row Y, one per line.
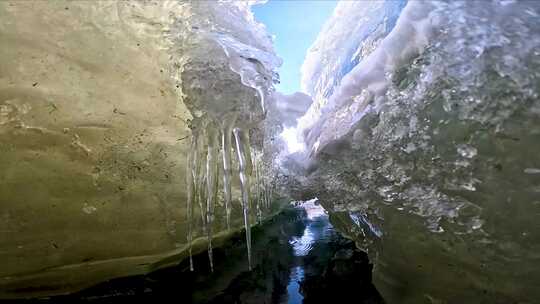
column 298, row 258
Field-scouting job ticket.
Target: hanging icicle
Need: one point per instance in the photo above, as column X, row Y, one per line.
column 212, row 170
column 226, row 133
column 244, row 161
column 257, row 187
column 191, row 191
column 202, row 179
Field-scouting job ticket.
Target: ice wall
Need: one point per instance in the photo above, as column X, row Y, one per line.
column 100, row 102
column 425, row 147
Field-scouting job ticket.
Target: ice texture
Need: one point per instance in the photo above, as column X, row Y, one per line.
column 116, row 125
column 422, row 143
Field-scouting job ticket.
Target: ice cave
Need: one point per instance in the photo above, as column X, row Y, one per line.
column 148, row 152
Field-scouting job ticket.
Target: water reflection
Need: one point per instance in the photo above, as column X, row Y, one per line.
column 317, row 229
column 293, row 288
column 298, row 258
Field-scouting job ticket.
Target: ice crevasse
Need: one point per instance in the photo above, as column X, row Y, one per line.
column 134, row 133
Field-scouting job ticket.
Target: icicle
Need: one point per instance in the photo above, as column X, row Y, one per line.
column 201, row 184
column 226, row 134
column 269, row 196
column 244, row 161
column 263, row 185
column 191, row 192
column 257, row 188
column 212, row 169
column 263, row 188
column 265, row 194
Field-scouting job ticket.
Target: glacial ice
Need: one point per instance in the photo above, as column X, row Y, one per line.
column 421, row 142
column 116, row 122
column 138, row 133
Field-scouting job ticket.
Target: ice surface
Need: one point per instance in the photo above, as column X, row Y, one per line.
column 116, row 120
column 422, row 140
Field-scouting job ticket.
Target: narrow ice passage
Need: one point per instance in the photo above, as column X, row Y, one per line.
column 153, row 148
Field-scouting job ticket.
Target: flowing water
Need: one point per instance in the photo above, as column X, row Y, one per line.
column 317, row 230
column 290, row 264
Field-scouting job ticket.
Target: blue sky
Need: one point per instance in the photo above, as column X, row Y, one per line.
column 295, row 24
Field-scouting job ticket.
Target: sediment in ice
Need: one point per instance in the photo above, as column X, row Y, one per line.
column 98, row 105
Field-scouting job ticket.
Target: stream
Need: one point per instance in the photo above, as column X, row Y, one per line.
column 298, row 257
